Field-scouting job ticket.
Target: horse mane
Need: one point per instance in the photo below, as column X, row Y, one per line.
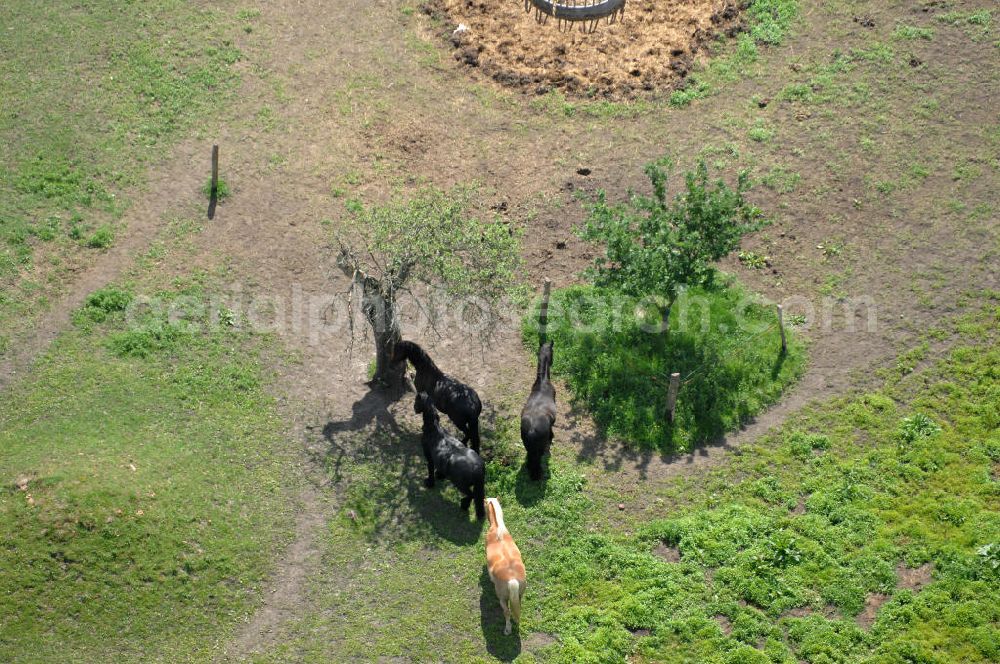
column 417, row 356
column 498, row 515
column 428, row 411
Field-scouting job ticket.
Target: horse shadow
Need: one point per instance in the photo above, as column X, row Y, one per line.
column 528, row 491
column 391, row 482
column 503, row 647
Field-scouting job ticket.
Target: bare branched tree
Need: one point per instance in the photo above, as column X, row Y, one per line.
column 433, row 241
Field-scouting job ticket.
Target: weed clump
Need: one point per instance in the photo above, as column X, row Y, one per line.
column 102, row 238
column 102, row 303
column 917, row 427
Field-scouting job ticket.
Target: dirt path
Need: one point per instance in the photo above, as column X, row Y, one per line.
column 284, row 593
column 177, row 179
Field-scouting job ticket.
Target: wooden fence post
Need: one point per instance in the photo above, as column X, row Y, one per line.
column 543, row 312
column 215, row 170
column 781, row 328
column 675, row 383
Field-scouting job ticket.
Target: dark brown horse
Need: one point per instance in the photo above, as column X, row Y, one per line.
column 455, row 399
column 539, row 414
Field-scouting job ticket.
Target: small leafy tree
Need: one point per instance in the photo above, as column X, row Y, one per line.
column 428, row 240
column 655, row 245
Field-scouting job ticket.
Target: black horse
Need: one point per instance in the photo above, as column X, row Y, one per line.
column 539, row 414
column 456, row 400
column 451, row 459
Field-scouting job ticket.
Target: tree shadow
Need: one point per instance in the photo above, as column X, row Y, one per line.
column 503, row 647
column 385, row 489
column 372, row 408
column 708, row 389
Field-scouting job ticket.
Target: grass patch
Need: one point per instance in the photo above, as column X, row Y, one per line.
column 142, row 499
column 221, row 189
column 102, row 238
column 768, row 21
column 555, row 102
column 911, row 32
column 761, row 132
column 725, row 346
column 92, row 93
column 781, row 179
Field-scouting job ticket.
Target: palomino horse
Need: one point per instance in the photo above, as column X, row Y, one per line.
column 446, row 457
column 456, row 400
column 503, row 560
column 539, row 414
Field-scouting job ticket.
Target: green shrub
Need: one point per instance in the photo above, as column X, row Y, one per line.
column 910, row 32
column 990, row 554
column 146, row 340
column 221, row 189
column 803, row 444
column 917, row 427
column 761, row 132
column 101, row 303
column 770, row 19
column 102, row 238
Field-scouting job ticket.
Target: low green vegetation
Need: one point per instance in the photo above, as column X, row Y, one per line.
column 829, row 81
column 864, row 531
column 910, row 32
column 768, row 22
column 221, row 189
column 144, row 487
column 617, row 362
column 753, row 260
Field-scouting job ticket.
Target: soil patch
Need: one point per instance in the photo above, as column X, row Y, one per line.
column 913, row 578
column 873, row 603
column 725, row 624
column 537, row 641
column 652, row 48
column 669, row 553
column 288, row 582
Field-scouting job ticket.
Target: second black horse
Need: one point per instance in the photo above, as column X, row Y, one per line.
column 446, row 457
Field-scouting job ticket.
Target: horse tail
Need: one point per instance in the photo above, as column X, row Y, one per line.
column 479, row 497
column 474, row 433
column 514, row 595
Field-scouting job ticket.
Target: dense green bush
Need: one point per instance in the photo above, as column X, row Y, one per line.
column 656, row 245
column 104, row 302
